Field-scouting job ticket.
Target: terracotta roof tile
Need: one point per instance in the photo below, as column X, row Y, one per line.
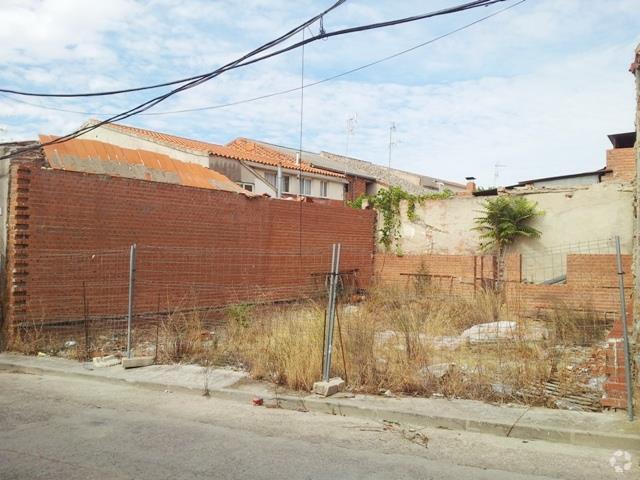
column 93, row 156
column 235, row 151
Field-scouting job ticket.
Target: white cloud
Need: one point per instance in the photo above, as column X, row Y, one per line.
column 536, row 88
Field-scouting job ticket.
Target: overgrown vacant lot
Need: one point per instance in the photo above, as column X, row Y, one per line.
column 405, row 341
column 415, row 340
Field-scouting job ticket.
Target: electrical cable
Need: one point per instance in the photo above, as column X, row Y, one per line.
column 247, row 60
column 322, row 34
column 157, row 85
column 282, row 92
column 154, row 101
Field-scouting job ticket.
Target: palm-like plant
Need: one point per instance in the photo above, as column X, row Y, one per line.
column 505, row 219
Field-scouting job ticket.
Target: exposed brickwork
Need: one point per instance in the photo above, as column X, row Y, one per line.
column 623, row 163
column 18, row 235
column 357, row 187
column 70, row 232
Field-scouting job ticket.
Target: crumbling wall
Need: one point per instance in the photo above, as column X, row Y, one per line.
column 572, row 216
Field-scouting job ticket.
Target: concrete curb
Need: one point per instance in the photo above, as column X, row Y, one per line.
column 348, row 408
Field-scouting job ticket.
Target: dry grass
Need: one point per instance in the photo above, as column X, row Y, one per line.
column 406, row 340
column 390, row 341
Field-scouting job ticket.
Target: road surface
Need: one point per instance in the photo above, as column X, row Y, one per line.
column 68, row 428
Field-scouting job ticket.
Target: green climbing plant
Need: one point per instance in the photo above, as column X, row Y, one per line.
column 387, row 203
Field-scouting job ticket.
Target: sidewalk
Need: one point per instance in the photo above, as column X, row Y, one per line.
column 607, row 429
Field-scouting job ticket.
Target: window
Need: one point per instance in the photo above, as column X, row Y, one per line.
column 324, row 187
column 270, row 177
column 306, row 186
column 247, row 186
column 285, row 183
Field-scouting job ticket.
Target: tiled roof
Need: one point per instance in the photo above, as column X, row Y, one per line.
column 234, row 152
column 92, row 156
column 352, row 166
column 382, row 173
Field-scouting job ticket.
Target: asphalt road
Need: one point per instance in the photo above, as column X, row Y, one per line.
column 66, row 428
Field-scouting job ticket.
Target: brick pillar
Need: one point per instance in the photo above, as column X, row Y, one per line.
column 616, row 385
column 635, row 70
column 17, row 247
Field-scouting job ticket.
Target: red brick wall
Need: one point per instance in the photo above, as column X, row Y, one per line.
column 357, row 187
column 592, row 280
column 592, row 284
column 623, row 163
column 69, row 238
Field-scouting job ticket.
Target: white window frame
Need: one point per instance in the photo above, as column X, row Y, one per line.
column 271, row 178
column 251, row 186
column 306, row 182
column 286, row 184
column 324, row 188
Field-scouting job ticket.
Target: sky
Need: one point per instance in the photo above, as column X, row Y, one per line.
column 535, row 89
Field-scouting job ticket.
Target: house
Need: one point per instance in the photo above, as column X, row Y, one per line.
column 274, row 175
column 92, row 156
column 620, row 167
column 362, row 176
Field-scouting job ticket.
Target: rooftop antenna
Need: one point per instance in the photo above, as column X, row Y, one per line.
column 392, row 143
column 352, row 122
column 496, row 173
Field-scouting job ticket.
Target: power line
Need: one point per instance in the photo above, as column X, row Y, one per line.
column 248, row 60
column 290, row 90
column 154, row 101
column 157, row 85
column 321, row 34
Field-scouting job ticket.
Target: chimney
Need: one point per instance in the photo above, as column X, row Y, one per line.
column 471, row 184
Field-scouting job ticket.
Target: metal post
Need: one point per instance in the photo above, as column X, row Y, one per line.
column 331, row 310
column 132, row 281
column 625, row 334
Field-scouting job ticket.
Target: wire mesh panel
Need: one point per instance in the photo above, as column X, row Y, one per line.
column 72, row 297
column 439, row 325
column 550, row 265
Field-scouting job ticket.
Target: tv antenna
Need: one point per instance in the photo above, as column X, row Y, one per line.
column 496, row 173
column 352, row 122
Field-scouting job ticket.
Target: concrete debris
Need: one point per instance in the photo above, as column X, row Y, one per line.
column 564, row 404
column 446, row 342
column 382, row 338
column 438, row 370
column 108, row 361
column 412, row 434
column 502, row 389
column 597, row 383
column 491, row 332
column 350, row 309
column 504, row 330
column 326, row 389
column 136, row 362
column 416, row 437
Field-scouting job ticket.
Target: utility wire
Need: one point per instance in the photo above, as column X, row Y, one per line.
column 322, row 34
column 157, row 85
column 154, row 101
column 290, row 90
column 247, row 60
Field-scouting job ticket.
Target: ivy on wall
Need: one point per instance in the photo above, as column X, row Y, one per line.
column 387, row 203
